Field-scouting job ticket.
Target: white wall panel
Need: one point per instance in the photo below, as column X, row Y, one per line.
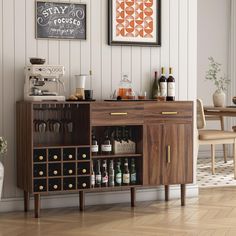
column 18, row 43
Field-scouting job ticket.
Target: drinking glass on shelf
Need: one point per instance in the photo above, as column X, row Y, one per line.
column 142, row 95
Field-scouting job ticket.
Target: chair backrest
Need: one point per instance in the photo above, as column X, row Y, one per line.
column 201, row 121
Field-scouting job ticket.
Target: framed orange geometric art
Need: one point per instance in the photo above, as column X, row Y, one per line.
column 134, row 22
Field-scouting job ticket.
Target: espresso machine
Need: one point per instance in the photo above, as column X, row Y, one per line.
column 43, row 83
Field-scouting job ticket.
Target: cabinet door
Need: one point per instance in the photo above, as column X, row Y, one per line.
column 154, row 153
column 177, row 155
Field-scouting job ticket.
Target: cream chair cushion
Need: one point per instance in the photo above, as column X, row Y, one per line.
column 215, row 134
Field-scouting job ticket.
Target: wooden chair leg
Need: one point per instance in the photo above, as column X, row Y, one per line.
column 213, row 158
column 235, row 159
column 133, row 196
column 225, row 152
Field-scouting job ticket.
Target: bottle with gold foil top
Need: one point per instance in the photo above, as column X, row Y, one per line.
column 163, row 83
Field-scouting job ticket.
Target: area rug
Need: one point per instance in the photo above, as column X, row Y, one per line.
column 224, row 173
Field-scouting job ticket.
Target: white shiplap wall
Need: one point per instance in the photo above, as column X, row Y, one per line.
column 18, row 43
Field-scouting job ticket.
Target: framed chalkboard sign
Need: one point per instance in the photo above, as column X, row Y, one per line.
column 60, row 20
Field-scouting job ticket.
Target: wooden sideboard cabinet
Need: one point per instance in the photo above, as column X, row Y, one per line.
column 54, row 145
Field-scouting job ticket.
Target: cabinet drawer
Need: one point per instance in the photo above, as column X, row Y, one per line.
column 117, row 113
column 84, row 182
column 83, row 154
column 40, row 185
column 83, row 168
column 39, row 155
column 168, row 111
column 40, row 170
column 54, row 154
column 54, row 169
column 69, row 183
column 54, row 184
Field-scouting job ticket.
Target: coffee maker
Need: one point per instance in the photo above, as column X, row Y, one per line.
column 43, row 83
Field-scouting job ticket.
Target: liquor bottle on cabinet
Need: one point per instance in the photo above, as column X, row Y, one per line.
column 92, row 176
column 163, row 83
column 133, row 174
column 126, row 174
column 111, row 178
column 98, row 176
column 118, row 174
column 94, row 147
column 106, row 146
column 104, row 174
column 170, row 86
column 155, row 87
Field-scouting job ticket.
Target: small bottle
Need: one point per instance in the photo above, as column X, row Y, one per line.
column 98, row 176
column 133, row 174
column 163, row 83
column 118, row 174
column 126, row 174
column 155, row 87
column 170, row 86
column 106, row 146
column 111, row 178
column 92, row 176
column 104, row 174
column 94, row 147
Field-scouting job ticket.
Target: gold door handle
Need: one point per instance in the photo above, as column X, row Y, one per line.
column 169, row 113
column 168, row 154
column 119, row 113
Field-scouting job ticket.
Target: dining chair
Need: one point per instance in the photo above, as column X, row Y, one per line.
column 213, row 137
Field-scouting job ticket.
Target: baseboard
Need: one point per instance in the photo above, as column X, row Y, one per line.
column 72, row 200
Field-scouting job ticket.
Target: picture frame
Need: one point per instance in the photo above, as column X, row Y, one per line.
column 134, row 22
column 60, row 20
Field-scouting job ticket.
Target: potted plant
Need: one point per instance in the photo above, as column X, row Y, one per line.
column 3, row 150
column 219, row 81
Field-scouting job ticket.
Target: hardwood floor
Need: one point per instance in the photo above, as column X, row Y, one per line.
column 213, row 213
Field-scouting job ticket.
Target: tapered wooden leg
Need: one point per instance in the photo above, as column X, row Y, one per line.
column 235, row 159
column 81, row 200
column 183, row 194
column 133, row 196
column 167, row 193
column 26, row 201
column 213, row 158
column 37, row 205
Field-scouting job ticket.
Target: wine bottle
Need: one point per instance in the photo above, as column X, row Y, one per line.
column 94, row 147
column 118, row 174
column 133, row 174
column 155, row 87
column 111, row 178
column 104, row 174
column 106, row 146
column 126, row 174
column 98, row 176
column 92, row 176
column 163, row 83
column 170, row 86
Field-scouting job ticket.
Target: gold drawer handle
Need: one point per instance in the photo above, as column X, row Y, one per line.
column 168, row 154
column 41, row 187
column 70, row 172
column 119, row 113
column 70, row 185
column 40, row 158
column 169, row 113
column 55, row 172
column 84, row 171
column 41, row 173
